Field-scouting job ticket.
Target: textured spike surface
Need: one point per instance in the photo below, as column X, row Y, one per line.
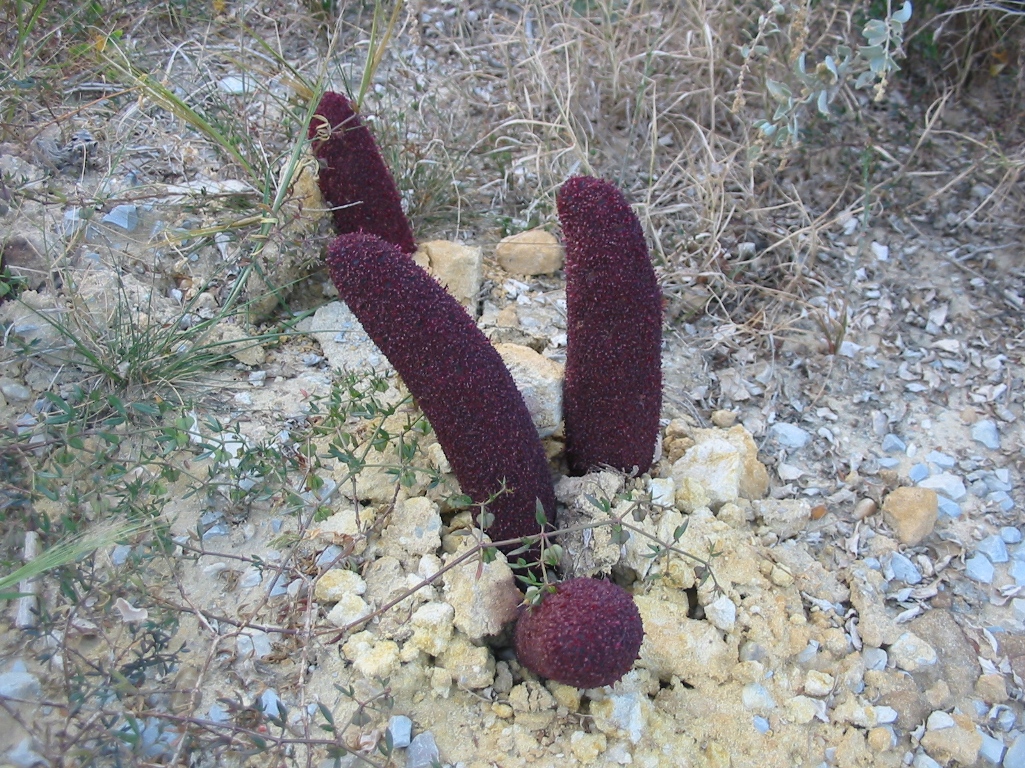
column 586, row 634
column 456, row 376
column 354, row 179
column 612, row 395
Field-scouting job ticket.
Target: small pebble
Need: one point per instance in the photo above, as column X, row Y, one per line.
column 979, row 568
column 918, row 473
column 888, row 462
column 755, row 696
column 1002, row 499
column 994, row 548
column 119, row 555
column 124, row 216
column 24, row 756
column 20, row 685
column 893, row 444
column 922, row 760
column 939, row 720
column 941, row 460
column 218, row 714
column 761, row 724
column 328, row 556
column 1010, row 535
column 874, row 658
column 904, row 570
column 422, row 751
column 258, row 378
column 985, row 431
column 1018, row 606
column 948, row 507
column 310, row 360
column 992, row 750
column 789, row 435
column 271, row 704
column 1016, row 570
column 1015, row 757
column 401, row 729
column 947, row 485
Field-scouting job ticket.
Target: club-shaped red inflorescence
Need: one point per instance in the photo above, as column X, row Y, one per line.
column 586, row 634
column 456, row 377
column 354, row 179
column 612, row 395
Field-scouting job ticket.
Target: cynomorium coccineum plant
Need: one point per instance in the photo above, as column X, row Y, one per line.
column 354, row 179
column 585, row 632
column 612, row 395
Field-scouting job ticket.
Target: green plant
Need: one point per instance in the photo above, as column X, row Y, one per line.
column 778, row 46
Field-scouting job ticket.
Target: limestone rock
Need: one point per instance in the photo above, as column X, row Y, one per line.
column 876, row 626
column 415, row 529
column 675, row 645
column 911, row 512
column 911, row 653
column 456, row 266
column 342, row 339
column 784, row 517
column 958, row 744
column 348, row 609
column 239, row 344
column 472, row 666
column 754, row 477
column 483, row 604
column 337, row 583
column 539, row 380
column 534, row 252
column 371, row 657
column 708, row 475
column 432, row 629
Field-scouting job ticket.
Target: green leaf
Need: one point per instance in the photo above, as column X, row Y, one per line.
column 823, row 103
column 904, row 14
column 778, row 91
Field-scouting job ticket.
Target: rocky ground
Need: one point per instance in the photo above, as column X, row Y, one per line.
column 827, row 556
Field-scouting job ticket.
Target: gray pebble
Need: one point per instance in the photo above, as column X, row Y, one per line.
column 328, row 556
column 258, row 378
column 251, row 578
column 946, row 484
column 279, row 587
column 401, row 729
column 979, row 568
column 220, row 529
column 761, row 724
column 12, row 390
column 1016, row 570
column 1006, row 718
column 271, row 703
column 874, row 658
column 789, row 435
column 20, row 685
column 310, row 359
column 124, row 216
column 888, row 462
column 922, row 760
column 992, row 750
column 24, row 756
column 422, row 751
column 904, row 570
column 893, row 444
column 218, row 714
column 1010, row 535
column 994, row 483
column 985, row 432
column 941, row 460
column 1015, row 757
column 119, row 555
column 948, row 507
column 1002, row 500
column 994, row 548
column 918, row 473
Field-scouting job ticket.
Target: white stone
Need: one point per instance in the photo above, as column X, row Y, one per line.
column 349, row 608
column 939, row 720
column 539, row 381
column 485, row 598
column 415, row 529
column 663, row 491
column 784, row 517
column 335, row 584
column 818, row 684
column 722, row 612
column 714, row 467
column 343, row 341
column 911, row 653
column 949, row 485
